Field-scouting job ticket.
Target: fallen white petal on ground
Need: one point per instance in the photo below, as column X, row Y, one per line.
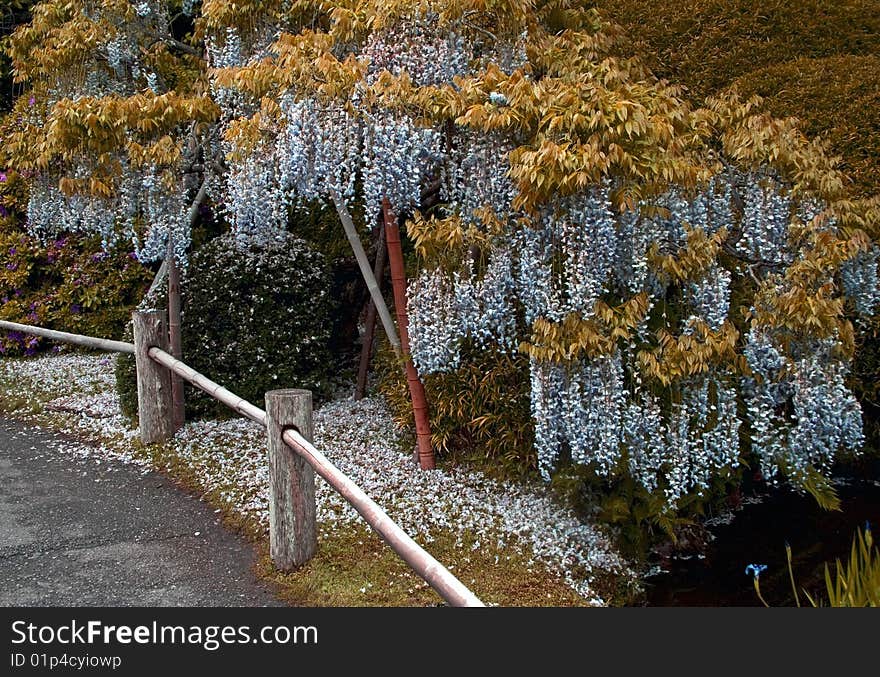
column 361, row 439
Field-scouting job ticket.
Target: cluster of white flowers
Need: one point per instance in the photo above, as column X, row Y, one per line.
column 710, row 296
column 165, row 209
column 473, row 175
column 861, row 282
column 443, row 309
column 253, row 203
column 142, row 198
column 397, row 157
column 416, row 48
column 800, row 409
column 702, row 437
column 583, row 410
column 318, row 150
column 50, row 211
column 767, row 213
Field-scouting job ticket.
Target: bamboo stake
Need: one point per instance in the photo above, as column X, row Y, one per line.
column 416, row 388
column 370, row 320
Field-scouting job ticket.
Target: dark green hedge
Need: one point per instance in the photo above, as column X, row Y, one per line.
column 256, row 318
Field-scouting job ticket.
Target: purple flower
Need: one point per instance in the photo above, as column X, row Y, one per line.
column 31, row 101
column 76, row 309
column 3, row 212
column 3, row 177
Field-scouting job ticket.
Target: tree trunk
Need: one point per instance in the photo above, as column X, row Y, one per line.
column 416, row 389
column 175, row 344
column 174, row 339
column 370, row 319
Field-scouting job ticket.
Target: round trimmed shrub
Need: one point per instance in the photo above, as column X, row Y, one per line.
column 256, row 317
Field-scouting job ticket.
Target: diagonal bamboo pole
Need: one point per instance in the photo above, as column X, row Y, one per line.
column 366, row 270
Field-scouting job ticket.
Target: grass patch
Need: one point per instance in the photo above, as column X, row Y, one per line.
column 707, row 44
column 837, row 98
column 354, row 567
column 815, row 60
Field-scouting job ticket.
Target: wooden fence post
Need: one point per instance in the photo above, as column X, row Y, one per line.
column 292, row 531
column 153, row 380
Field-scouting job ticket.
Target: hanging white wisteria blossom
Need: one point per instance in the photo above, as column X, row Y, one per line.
column 318, row 150
column 253, row 201
column 582, row 410
column 415, row 47
column 800, row 410
column 473, row 175
column 767, row 212
column 861, row 281
column 397, row 158
column 444, row 309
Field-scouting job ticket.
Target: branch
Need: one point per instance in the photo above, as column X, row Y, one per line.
column 182, row 46
column 191, row 219
column 464, row 20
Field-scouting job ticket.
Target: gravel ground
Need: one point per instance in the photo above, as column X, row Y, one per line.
column 359, row 437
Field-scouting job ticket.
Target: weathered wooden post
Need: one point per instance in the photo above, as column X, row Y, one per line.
column 153, row 380
column 292, row 532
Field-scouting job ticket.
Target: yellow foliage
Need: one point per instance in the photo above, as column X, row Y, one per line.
column 692, row 353
column 693, row 260
column 576, row 337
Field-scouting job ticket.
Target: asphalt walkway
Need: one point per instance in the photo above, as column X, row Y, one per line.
column 74, row 532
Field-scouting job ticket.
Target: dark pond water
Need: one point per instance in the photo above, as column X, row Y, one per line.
column 757, row 533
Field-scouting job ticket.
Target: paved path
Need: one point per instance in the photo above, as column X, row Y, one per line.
column 77, row 533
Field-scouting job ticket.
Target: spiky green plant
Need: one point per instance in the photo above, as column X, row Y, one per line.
column 854, row 584
column 857, row 583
